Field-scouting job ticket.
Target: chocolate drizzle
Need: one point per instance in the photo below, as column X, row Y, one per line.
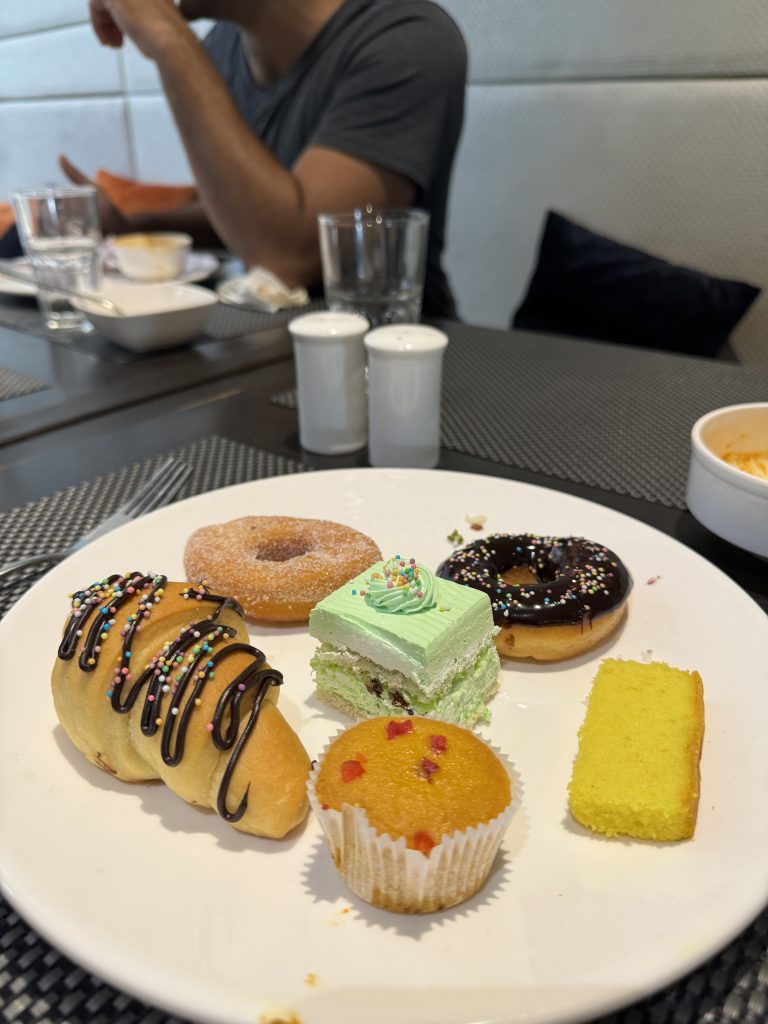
column 254, row 678
column 572, row 579
column 169, row 677
column 169, row 674
column 84, row 603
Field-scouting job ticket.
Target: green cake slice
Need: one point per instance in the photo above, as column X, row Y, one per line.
column 399, row 639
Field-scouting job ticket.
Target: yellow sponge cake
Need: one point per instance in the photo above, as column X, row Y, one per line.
column 637, row 768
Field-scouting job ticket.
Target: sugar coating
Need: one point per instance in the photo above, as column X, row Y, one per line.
column 278, row 566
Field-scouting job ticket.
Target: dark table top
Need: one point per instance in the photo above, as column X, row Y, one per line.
column 79, row 384
column 239, row 407
column 85, row 375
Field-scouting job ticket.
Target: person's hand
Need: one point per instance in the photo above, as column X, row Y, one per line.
column 149, row 23
column 112, row 221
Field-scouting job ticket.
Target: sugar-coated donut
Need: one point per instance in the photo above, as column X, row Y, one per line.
column 278, row 566
column 552, row 597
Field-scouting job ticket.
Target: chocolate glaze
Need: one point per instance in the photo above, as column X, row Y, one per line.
column 170, row 677
column 574, row 580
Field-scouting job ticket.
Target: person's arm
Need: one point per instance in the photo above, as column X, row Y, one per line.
column 191, row 219
column 264, row 213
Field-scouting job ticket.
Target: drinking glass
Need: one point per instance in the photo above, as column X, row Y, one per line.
column 374, row 262
column 60, row 234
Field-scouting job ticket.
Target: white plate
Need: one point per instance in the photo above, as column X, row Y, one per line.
column 199, row 267
column 10, row 286
column 169, row 903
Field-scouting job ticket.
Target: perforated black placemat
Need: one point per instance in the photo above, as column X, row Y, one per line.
column 620, row 421
column 15, row 385
column 63, row 517
column 287, row 399
column 230, row 321
column 38, row 985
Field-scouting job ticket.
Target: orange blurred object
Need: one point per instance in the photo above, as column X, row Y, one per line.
column 131, row 196
column 128, row 196
column 6, row 217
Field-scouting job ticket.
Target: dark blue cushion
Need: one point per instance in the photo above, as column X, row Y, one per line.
column 590, row 286
column 10, row 245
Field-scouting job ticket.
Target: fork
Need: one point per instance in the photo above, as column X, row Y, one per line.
column 161, row 488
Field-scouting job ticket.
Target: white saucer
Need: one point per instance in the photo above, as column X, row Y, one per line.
column 10, row 286
column 199, row 267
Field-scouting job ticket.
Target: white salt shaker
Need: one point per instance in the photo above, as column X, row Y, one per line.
column 405, row 368
column 329, row 356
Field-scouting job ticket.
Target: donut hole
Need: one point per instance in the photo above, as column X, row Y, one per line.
column 282, row 550
column 519, row 574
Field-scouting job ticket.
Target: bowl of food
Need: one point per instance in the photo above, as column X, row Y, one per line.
column 728, row 474
column 148, row 317
column 151, row 256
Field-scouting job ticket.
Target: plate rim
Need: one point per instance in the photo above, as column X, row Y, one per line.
column 10, row 286
column 125, row 984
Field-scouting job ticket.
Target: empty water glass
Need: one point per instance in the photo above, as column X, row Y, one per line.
column 374, row 263
column 60, row 234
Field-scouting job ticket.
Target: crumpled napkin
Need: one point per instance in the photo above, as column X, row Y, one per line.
column 260, row 287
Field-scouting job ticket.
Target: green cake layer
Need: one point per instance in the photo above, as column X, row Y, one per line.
column 426, row 647
column 362, row 689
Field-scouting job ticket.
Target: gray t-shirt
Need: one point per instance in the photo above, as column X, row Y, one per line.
column 384, row 82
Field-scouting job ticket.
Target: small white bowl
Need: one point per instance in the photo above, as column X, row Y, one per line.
column 729, row 501
column 155, row 316
column 151, row 256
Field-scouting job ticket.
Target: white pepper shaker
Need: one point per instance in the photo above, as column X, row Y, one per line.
column 405, row 369
column 329, row 356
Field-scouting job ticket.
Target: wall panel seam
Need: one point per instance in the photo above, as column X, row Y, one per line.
column 71, row 97
column 611, row 79
column 41, row 31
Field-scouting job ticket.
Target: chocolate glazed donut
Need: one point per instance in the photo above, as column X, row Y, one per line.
column 552, row 597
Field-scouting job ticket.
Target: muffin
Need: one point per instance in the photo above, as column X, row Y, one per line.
column 414, row 810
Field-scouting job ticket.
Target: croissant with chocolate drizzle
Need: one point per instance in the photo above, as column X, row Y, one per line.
column 154, row 681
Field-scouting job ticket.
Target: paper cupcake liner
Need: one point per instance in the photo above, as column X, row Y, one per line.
column 385, row 872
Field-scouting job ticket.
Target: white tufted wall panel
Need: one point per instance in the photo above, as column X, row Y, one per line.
column 520, row 40
column 60, row 91
column 646, row 121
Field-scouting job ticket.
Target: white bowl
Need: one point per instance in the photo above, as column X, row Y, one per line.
column 729, row 501
column 155, row 316
column 151, row 256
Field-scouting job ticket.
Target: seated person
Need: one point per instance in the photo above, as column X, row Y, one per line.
column 293, row 107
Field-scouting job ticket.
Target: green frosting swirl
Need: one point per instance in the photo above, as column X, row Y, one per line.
column 401, row 587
